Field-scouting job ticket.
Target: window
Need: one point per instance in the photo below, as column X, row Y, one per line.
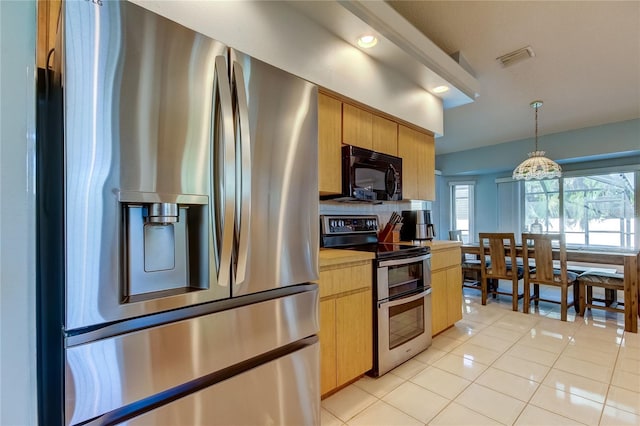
column 591, row 210
column 542, row 205
column 462, row 208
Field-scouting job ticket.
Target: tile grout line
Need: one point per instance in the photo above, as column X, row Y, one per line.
column 606, row 397
column 479, row 322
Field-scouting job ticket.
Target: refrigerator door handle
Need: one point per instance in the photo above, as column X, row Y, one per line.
column 226, row 161
column 244, row 177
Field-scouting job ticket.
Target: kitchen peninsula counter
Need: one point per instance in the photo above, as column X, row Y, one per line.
column 331, row 257
column 436, row 245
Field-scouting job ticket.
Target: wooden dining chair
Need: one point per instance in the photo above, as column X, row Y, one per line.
column 502, row 265
column 539, row 249
column 610, row 282
column 470, row 267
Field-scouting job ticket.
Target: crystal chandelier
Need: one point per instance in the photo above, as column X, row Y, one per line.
column 537, row 166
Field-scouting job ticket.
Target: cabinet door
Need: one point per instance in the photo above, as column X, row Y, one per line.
column 426, row 168
column 357, row 127
column 439, row 303
column 454, row 295
column 327, row 336
column 408, row 151
column 385, row 136
column 48, row 14
column 329, row 145
column 354, row 335
column 418, row 164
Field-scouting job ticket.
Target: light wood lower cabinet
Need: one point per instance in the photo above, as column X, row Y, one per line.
column 346, row 327
column 328, row 376
column 446, row 289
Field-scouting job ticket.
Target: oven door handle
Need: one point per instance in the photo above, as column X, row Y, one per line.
column 404, row 261
column 404, row 300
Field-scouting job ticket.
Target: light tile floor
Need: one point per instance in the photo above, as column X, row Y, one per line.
column 496, row 366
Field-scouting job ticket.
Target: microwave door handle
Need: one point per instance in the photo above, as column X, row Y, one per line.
column 225, row 127
column 404, row 300
column 390, row 182
column 244, row 183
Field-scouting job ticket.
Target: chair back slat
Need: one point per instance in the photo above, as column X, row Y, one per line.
column 455, row 235
column 544, row 259
column 497, row 253
column 539, row 247
column 501, row 265
column 501, row 247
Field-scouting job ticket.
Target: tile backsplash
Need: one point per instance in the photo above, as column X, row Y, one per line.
column 383, row 210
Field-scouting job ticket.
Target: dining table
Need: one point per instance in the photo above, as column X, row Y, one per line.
column 580, row 260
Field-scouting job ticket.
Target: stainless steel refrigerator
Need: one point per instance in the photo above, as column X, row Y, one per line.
column 177, row 229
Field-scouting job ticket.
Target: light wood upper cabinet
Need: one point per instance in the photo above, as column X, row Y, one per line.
column 342, row 123
column 385, row 136
column 329, row 145
column 408, row 142
column 357, row 127
column 418, row 164
column 48, row 14
column 427, row 169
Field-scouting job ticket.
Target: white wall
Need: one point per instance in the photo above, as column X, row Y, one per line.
column 278, row 34
column 17, row 222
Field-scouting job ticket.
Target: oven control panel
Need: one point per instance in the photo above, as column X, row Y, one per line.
column 332, row 225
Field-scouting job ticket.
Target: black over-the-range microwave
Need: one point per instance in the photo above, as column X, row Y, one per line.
column 369, row 175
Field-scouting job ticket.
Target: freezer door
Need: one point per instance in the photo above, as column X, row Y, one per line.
column 145, row 367
column 285, row 391
column 277, row 227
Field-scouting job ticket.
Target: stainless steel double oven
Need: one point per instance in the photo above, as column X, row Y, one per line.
column 402, row 289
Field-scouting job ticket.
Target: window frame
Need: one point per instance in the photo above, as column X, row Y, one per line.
column 590, row 173
column 470, row 208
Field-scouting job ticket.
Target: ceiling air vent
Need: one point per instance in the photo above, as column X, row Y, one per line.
column 515, row 56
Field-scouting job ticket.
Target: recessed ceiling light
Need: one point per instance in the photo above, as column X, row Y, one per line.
column 367, row 41
column 440, row 89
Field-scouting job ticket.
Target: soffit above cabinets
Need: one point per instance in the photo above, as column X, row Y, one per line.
column 400, row 46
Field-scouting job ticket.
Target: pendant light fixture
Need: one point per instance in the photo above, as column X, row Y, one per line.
column 537, row 166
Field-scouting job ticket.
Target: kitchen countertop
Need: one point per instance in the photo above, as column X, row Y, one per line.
column 436, row 245
column 330, row 257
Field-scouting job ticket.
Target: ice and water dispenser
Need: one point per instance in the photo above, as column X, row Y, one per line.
column 165, row 248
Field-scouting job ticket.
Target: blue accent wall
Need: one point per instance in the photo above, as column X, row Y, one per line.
column 606, row 146
column 612, row 140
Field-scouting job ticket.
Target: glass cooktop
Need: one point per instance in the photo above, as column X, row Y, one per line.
column 390, row 250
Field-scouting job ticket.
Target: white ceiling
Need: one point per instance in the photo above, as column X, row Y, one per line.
column 586, row 67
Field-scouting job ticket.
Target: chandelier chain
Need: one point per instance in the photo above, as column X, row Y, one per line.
column 536, row 133
column 537, row 166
